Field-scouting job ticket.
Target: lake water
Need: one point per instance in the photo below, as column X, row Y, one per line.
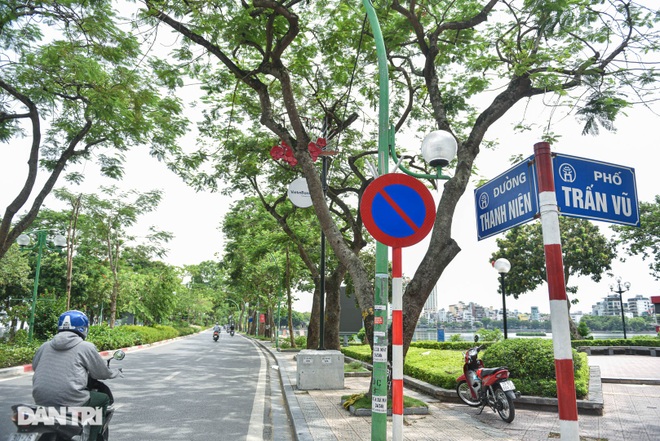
column 431, row 334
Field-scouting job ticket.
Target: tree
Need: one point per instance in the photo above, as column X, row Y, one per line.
column 77, row 86
column 284, row 81
column 644, row 240
column 586, row 253
column 111, row 216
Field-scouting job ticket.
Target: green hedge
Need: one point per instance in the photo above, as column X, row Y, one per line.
column 532, row 367
column 20, row 352
column 634, row 341
column 530, row 362
column 11, row 355
column 451, row 345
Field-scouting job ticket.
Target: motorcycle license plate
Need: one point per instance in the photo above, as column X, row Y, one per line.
column 24, row 437
column 507, row 385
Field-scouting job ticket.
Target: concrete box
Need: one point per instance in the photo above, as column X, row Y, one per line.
column 320, row 370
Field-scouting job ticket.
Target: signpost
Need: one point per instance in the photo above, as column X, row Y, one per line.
column 571, row 186
column 596, row 190
column 507, row 201
column 398, row 211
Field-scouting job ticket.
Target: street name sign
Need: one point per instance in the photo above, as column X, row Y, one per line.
column 596, row 190
column 397, row 210
column 509, row 200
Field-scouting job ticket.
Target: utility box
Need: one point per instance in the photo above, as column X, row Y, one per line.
column 320, row 370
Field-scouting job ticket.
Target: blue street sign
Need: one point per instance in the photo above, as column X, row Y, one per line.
column 509, row 200
column 596, row 190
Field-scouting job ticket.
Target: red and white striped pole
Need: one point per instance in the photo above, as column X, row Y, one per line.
column 554, row 265
column 397, row 346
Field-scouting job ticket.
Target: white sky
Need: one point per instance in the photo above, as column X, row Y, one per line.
column 195, row 218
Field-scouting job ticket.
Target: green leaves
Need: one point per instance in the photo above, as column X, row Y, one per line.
column 586, row 252
column 644, row 240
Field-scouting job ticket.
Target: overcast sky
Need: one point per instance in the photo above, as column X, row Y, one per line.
column 195, row 218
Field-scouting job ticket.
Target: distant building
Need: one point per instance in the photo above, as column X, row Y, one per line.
column 431, row 304
column 610, row 306
column 639, row 306
column 535, row 315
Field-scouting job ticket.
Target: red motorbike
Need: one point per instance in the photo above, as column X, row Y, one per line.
column 480, row 386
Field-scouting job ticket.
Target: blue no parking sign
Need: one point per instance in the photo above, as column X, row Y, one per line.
column 397, row 210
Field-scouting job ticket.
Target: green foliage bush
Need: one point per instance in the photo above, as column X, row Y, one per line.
column 639, row 340
column 456, row 346
column 532, row 367
column 16, row 354
column 362, row 353
column 301, row 341
column 490, row 334
column 19, row 352
column 530, row 361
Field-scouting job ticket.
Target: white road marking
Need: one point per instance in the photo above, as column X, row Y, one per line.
column 169, row 377
column 256, row 430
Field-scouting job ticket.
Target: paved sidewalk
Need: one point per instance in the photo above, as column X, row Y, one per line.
column 632, row 411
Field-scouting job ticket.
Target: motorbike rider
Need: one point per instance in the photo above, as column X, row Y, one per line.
column 231, row 328
column 62, row 367
column 216, row 328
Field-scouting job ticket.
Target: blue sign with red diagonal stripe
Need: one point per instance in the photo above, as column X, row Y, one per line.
column 397, row 210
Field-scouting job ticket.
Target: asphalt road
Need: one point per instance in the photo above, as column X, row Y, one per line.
column 190, row 389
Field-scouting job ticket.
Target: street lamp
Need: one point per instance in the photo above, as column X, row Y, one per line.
column 279, row 303
column 23, row 241
column 386, row 149
column 503, row 266
column 620, row 289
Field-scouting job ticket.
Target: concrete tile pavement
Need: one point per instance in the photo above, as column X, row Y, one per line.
column 632, row 411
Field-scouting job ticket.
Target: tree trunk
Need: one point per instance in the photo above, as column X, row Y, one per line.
column 333, row 308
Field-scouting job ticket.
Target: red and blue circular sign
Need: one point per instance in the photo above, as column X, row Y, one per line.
column 397, row 210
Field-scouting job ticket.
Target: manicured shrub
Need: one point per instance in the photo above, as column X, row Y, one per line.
column 634, row 341
column 532, row 367
column 16, row 355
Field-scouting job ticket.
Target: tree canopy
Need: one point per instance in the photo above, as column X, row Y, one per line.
column 306, row 70
column 76, row 86
column 644, row 240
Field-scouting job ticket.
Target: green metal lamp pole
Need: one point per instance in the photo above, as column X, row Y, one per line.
column 437, row 150
column 41, row 243
column 42, row 237
column 379, row 389
column 279, row 304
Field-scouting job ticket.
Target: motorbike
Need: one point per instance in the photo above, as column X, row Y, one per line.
column 480, row 386
column 68, row 427
column 216, row 335
column 231, row 332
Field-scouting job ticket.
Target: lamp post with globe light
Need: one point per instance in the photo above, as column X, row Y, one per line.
column 503, row 266
column 439, row 149
column 620, row 289
column 24, row 241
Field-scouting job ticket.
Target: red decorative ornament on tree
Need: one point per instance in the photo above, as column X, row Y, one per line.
column 284, row 151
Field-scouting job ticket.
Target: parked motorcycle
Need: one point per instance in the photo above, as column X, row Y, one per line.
column 216, row 335
column 480, row 386
column 68, row 427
